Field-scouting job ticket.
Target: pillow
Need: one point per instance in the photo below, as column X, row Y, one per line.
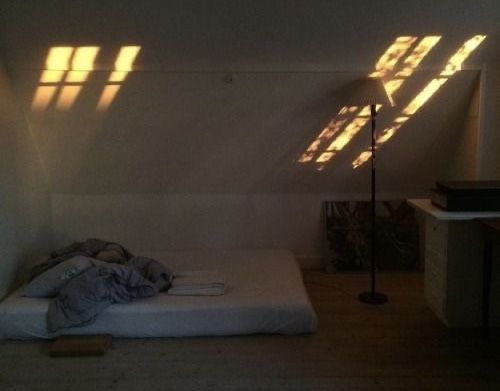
column 50, row 282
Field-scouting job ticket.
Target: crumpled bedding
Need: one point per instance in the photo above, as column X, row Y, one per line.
column 85, row 296
column 94, row 248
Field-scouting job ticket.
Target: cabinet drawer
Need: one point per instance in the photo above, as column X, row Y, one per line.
column 435, row 289
column 435, row 280
column 435, row 260
column 436, row 304
column 436, row 235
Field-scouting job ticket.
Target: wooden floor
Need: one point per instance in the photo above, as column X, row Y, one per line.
column 397, row 346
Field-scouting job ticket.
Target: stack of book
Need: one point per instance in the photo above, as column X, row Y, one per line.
column 473, row 196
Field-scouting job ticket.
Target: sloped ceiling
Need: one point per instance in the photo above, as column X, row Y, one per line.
column 229, row 35
column 226, row 95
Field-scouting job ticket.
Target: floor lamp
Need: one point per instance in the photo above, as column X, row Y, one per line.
column 371, row 92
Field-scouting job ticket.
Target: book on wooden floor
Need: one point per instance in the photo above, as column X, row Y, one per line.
column 80, row 345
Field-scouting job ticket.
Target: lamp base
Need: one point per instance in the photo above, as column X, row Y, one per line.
column 372, row 298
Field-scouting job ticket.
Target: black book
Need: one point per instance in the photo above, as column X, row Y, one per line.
column 470, row 188
column 471, row 196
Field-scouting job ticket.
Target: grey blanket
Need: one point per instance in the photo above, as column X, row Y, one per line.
column 118, row 278
column 84, row 297
column 94, row 248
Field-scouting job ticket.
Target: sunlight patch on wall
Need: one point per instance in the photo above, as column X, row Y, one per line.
column 423, row 96
column 58, row 58
column 396, row 65
column 107, row 96
column 51, row 76
column 383, row 68
column 453, row 65
column 455, row 62
column 392, row 55
column 43, row 97
column 126, row 58
column 117, row 76
column 349, row 132
column 384, row 65
column 67, row 97
column 84, row 58
column 411, row 63
column 67, row 68
column 123, row 65
column 328, row 132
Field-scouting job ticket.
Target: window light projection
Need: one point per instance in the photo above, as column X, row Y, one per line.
column 107, row 96
column 392, row 55
column 126, row 58
column 349, row 132
column 67, row 97
column 58, row 62
column 453, row 65
column 411, row 63
column 456, row 61
column 84, row 57
column 328, row 132
column 123, row 65
column 423, row 96
column 82, row 64
column 51, row 76
column 384, row 67
column 43, row 97
column 396, row 65
column 67, row 68
column 347, row 115
column 117, row 76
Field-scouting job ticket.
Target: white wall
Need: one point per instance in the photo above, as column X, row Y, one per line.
column 187, row 161
column 194, row 134
column 184, row 159
column 159, row 222
column 24, row 200
column 464, row 163
column 489, row 158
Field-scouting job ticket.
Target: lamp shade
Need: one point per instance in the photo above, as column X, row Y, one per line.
column 368, row 91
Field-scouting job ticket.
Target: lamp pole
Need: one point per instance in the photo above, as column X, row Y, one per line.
column 373, row 297
column 373, row 112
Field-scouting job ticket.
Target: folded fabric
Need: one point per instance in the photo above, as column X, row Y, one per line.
column 197, row 283
column 197, row 291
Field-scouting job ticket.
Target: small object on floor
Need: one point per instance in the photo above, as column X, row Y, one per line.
column 80, row 345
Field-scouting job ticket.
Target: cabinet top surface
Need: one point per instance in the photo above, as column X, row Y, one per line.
column 425, row 205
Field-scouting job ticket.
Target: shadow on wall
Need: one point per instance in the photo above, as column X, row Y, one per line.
column 67, row 70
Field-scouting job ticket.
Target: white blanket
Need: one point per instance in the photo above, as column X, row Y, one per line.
column 197, row 283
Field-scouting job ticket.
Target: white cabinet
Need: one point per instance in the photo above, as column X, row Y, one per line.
column 453, row 265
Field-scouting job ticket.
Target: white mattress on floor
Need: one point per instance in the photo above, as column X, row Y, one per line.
column 264, row 294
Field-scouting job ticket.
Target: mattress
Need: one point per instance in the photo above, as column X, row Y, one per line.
column 264, row 294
